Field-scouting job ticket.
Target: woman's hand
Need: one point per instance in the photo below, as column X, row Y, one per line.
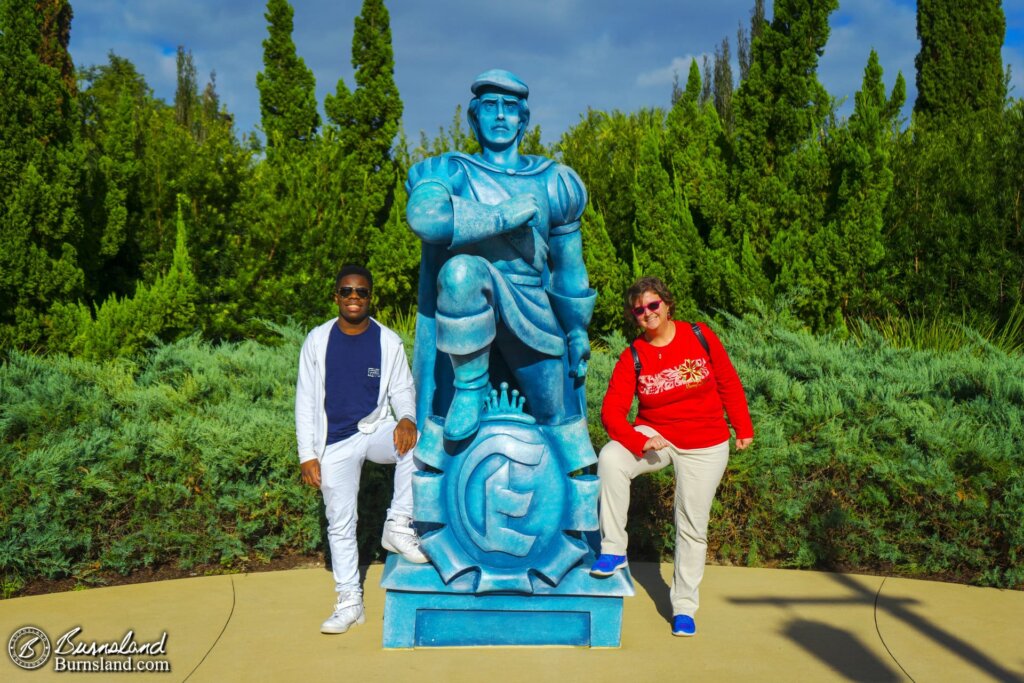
column 656, row 443
column 743, row 443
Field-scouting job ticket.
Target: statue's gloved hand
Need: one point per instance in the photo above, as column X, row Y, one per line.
column 523, row 210
column 579, row 353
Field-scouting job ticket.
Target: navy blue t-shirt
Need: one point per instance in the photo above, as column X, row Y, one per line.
column 352, row 376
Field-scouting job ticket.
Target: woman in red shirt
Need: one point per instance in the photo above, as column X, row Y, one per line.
column 683, row 391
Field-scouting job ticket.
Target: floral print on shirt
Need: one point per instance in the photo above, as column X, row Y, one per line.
column 691, row 373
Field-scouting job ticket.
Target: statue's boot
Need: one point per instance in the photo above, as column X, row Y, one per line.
column 471, row 384
column 467, row 339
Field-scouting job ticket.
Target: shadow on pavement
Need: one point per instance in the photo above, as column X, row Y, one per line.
column 841, row 651
column 898, row 608
column 649, row 576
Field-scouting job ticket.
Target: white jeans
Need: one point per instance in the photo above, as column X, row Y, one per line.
column 698, row 472
column 340, row 470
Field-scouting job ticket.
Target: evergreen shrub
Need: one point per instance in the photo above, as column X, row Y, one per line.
column 866, row 458
column 184, row 456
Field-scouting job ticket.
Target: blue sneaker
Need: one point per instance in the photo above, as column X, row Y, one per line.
column 606, row 565
column 682, row 625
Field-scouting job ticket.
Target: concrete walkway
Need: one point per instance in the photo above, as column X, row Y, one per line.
column 754, row 625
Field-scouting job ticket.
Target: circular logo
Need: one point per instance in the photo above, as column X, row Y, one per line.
column 29, row 647
column 505, row 505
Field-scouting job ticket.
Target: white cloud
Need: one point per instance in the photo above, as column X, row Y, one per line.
column 666, row 75
column 606, row 54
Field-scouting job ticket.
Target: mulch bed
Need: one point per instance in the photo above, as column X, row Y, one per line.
column 165, row 573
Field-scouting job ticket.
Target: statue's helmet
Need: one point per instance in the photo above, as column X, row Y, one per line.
column 499, row 81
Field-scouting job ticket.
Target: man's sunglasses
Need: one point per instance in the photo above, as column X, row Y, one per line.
column 361, row 292
column 638, row 311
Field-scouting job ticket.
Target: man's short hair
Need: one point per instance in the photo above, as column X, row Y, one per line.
column 353, row 269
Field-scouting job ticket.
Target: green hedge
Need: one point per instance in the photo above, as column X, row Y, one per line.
column 866, row 458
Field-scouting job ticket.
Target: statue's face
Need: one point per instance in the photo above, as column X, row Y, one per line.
column 499, row 119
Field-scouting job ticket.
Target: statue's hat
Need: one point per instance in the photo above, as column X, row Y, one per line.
column 502, row 81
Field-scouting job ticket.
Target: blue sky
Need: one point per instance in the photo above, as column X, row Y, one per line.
column 574, row 54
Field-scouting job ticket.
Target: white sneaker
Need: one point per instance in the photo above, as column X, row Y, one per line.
column 399, row 537
column 348, row 611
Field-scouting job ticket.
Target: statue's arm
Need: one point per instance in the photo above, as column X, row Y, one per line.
column 569, row 292
column 571, row 297
column 439, row 213
column 568, row 272
column 567, row 198
column 430, row 213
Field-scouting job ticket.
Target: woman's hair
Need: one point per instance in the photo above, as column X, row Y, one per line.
column 647, row 284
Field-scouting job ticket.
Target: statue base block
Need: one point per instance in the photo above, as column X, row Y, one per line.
column 421, row 611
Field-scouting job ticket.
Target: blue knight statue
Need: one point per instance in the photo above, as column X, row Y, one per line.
column 500, row 360
column 502, row 267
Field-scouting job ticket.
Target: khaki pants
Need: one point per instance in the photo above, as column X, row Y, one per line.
column 698, row 472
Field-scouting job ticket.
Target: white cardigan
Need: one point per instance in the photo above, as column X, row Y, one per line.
column 396, row 390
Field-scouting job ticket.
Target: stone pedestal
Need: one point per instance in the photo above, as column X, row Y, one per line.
column 508, row 519
column 581, row 611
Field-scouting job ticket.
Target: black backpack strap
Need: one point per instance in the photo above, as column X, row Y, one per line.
column 700, row 337
column 636, row 366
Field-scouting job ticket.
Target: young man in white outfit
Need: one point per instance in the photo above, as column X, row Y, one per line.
column 353, row 373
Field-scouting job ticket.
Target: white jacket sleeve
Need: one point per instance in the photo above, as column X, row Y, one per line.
column 401, row 390
column 306, row 410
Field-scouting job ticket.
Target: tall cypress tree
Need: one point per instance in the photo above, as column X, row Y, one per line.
column 831, row 267
column 781, row 102
column 960, row 65
column 287, row 87
column 394, row 260
column 279, row 269
column 604, row 150
column 608, row 274
column 781, row 109
column 367, row 122
column 55, row 32
column 744, row 38
column 40, row 169
column 699, row 151
column 186, row 95
column 666, row 241
column 951, row 230
column 723, row 86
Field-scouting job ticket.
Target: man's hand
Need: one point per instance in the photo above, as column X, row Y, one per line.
column 579, row 353
column 522, row 210
column 311, row 473
column 405, row 436
column 743, row 443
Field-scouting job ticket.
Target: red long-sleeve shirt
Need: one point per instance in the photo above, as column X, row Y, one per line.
column 682, row 393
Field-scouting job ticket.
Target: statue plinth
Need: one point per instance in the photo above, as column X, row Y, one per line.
column 421, row 610
column 505, row 518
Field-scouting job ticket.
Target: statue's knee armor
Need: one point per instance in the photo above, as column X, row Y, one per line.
column 462, row 286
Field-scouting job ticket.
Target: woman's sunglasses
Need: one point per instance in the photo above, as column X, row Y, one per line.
column 361, row 292
column 638, row 311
